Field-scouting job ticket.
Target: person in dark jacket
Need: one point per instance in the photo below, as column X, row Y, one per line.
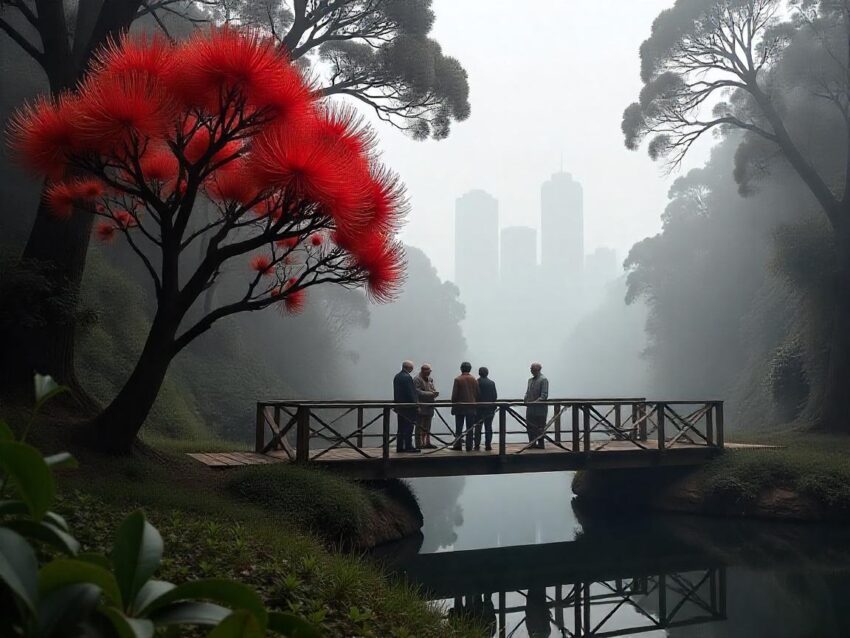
column 487, row 394
column 405, row 392
column 464, row 390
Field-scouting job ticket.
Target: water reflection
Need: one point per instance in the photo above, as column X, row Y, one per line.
column 470, row 513
column 678, row 576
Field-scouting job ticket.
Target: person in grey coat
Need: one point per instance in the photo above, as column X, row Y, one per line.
column 535, row 415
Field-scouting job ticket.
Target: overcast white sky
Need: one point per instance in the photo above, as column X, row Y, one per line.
column 547, row 77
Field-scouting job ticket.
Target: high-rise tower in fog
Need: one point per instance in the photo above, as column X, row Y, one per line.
column 476, row 244
column 562, row 229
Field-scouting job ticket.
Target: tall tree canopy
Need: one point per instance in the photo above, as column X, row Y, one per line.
column 298, row 192
column 375, row 51
column 721, row 65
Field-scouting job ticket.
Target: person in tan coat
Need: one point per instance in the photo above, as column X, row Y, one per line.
column 425, row 393
column 464, row 390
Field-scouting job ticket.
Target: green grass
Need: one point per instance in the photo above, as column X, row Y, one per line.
column 258, row 526
column 343, row 594
column 811, row 464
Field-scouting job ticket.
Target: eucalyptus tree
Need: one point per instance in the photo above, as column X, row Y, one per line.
column 712, row 66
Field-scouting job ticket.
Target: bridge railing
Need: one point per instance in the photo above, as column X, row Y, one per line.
column 310, row 430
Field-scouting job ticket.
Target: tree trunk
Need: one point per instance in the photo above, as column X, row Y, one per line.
column 835, row 413
column 62, row 245
column 115, row 429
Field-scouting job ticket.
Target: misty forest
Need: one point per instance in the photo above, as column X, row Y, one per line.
column 411, row 318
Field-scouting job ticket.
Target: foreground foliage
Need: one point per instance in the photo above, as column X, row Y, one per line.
column 49, row 587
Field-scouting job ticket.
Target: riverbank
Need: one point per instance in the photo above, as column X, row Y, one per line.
column 806, row 478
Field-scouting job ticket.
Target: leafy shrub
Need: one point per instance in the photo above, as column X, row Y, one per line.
column 70, row 593
column 320, row 501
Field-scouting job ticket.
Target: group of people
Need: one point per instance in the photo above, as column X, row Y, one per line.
column 473, row 406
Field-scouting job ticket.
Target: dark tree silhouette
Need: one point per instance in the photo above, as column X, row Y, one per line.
column 224, row 116
column 714, row 66
column 375, row 51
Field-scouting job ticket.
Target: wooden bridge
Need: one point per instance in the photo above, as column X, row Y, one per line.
column 358, row 437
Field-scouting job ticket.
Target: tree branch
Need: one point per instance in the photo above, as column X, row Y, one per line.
column 22, row 42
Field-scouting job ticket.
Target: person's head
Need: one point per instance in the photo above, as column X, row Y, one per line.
column 425, row 370
column 535, row 369
column 465, row 367
column 407, row 366
column 483, row 372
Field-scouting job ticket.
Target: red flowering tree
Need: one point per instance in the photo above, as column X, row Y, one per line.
column 156, row 128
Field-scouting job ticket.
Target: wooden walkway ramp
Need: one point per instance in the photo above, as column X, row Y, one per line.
column 358, row 438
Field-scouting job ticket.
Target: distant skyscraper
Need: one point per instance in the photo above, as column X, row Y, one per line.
column 562, row 229
column 518, row 262
column 476, row 244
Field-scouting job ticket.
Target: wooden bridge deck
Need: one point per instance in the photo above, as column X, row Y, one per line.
column 359, row 439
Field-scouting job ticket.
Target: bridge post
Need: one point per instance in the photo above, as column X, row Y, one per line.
column 577, row 609
column 260, row 431
column 643, row 420
column 503, row 630
column 659, row 413
column 709, row 426
column 576, row 433
column 586, row 409
column 662, row 600
column 558, row 422
column 719, row 407
column 302, row 434
column 618, row 418
column 360, row 426
column 503, row 430
column 385, row 445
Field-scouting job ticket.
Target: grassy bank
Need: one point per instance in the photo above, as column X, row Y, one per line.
column 806, row 477
column 285, row 550
column 279, row 530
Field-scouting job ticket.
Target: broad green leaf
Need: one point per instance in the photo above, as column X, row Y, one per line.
column 222, row 591
column 64, row 608
column 127, row 627
column 43, row 385
column 189, row 614
column 19, row 567
column 6, row 433
column 62, row 572
column 291, row 626
column 136, row 554
column 25, row 465
column 57, row 521
column 239, row 624
column 62, row 460
column 95, row 559
column 151, row 590
column 46, row 533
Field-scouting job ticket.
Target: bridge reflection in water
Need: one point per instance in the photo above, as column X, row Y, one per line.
column 553, row 590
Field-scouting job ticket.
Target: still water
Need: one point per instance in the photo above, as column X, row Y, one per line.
column 516, row 553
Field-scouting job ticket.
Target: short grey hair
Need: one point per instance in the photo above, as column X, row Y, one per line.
column 407, row 363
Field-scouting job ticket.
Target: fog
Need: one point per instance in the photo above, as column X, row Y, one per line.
column 534, row 234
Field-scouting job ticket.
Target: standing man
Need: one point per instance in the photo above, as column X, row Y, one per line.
column 464, row 390
column 535, row 415
column 405, row 392
column 426, row 393
column 488, row 394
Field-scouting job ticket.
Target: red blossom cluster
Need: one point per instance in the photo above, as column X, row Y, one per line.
column 223, row 115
